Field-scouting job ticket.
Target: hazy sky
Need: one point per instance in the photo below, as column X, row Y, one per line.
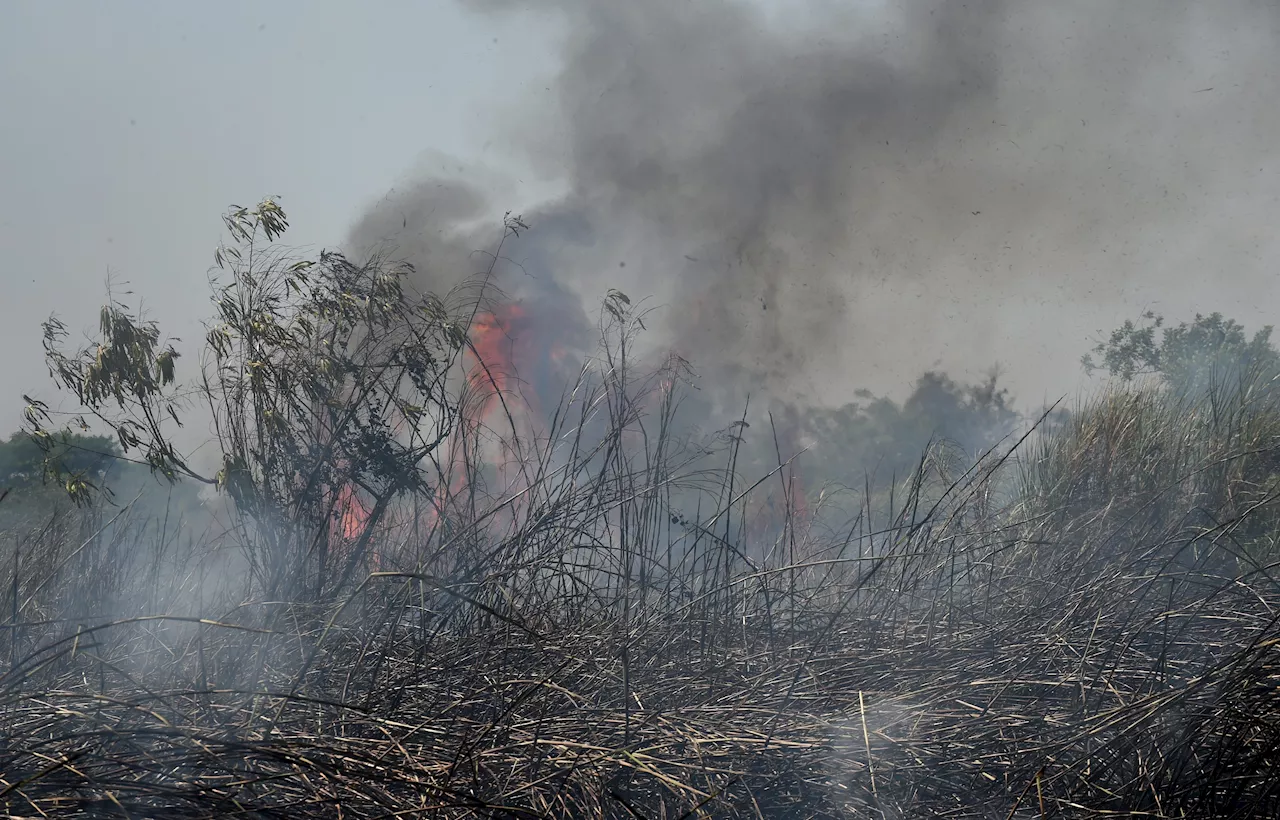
column 1117, row 156
column 129, row 127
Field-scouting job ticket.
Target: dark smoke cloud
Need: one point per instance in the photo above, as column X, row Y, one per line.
column 842, row 200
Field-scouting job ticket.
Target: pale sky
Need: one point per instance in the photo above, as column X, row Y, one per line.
column 129, row 127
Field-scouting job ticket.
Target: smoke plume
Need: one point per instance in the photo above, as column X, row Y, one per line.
column 848, row 194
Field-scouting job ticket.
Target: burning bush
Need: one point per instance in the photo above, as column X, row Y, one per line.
column 1073, row 621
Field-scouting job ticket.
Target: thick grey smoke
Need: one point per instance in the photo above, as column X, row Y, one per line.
column 847, row 195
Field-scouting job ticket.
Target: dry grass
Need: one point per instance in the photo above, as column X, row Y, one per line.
column 1032, row 639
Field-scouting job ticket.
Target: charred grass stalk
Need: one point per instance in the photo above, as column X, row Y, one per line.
column 1085, row 621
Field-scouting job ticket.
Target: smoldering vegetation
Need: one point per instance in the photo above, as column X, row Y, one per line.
column 599, row 612
column 512, row 544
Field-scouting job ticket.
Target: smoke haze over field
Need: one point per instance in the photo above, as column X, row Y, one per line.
column 822, row 159
column 846, row 197
column 386, row 590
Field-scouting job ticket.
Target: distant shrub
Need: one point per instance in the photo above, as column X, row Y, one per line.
column 1190, row 358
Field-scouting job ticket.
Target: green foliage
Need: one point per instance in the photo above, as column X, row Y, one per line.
column 42, row 474
column 1141, row 455
column 75, row 463
column 324, row 374
column 1189, row 357
column 320, row 375
column 125, row 380
column 888, row 438
column 1209, row 436
column 24, row 461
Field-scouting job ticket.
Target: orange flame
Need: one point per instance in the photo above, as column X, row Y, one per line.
column 491, row 354
column 352, row 515
column 349, row 522
column 490, row 371
column 490, row 374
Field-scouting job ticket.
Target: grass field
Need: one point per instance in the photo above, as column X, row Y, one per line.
column 1084, row 623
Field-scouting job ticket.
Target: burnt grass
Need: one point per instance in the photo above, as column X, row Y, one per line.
column 1084, row 624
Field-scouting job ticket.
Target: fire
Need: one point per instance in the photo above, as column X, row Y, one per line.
column 502, row 342
column 494, row 336
column 490, row 373
column 353, row 515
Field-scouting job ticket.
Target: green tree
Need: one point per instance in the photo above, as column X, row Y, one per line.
column 882, row 436
column 73, row 461
column 1191, row 357
column 323, row 377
